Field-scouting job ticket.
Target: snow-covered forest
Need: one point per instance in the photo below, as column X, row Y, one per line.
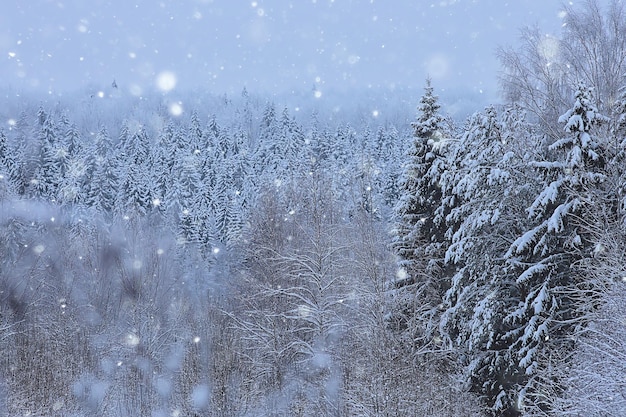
column 240, row 257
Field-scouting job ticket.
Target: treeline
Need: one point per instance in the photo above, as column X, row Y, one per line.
column 203, row 266
column 198, row 177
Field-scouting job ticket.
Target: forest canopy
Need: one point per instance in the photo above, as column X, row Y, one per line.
column 240, row 257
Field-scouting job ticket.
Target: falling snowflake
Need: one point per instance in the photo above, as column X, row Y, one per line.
column 166, row 81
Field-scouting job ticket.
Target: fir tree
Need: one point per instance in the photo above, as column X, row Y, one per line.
column 48, row 173
column 104, row 182
column 419, row 236
column 136, row 188
column 8, row 169
column 74, row 163
column 554, row 292
column 481, row 224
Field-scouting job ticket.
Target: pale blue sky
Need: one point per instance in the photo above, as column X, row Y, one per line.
column 265, row 45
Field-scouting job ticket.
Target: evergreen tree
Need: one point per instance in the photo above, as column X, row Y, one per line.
column 48, row 173
column 264, row 161
column 182, row 194
column 136, row 190
column 281, row 145
column 103, row 187
column 25, row 156
column 163, row 158
column 73, row 160
column 481, row 224
column 389, row 151
column 206, row 224
column 419, row 235
column 195, row 132
column 553, row 291
column 8, row 169
column 221, row 195
column 291, row 145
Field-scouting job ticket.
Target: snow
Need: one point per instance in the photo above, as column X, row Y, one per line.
column 538, row 304
column 547, row 196
column 132, row 340
column 557, row 218
column 531, row 272
column 38, row 249
column 166, row 81
column 211, row 253
column 176, row 109
column 527, row 241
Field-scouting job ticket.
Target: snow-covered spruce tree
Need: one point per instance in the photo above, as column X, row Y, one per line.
column 484, row 217
column 341, row 146
column 281, row 147
column 291, row 144
column 380, row 181
column 379, row 171
column 102, row 189
column 419, row 236
column 22, row 146
column 554, row 293
column 135, row 186
column 195, row 132
column 184, row 189
column 265, row 158
column 47, row 176
column 75, row 176
column 206, row 224
column 180, row 165
column 8, row 169
column 163, row 156
column 221, row 193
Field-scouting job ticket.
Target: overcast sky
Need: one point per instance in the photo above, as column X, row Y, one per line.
column 265, row 45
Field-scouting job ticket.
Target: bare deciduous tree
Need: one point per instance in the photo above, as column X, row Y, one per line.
column 542, row 73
